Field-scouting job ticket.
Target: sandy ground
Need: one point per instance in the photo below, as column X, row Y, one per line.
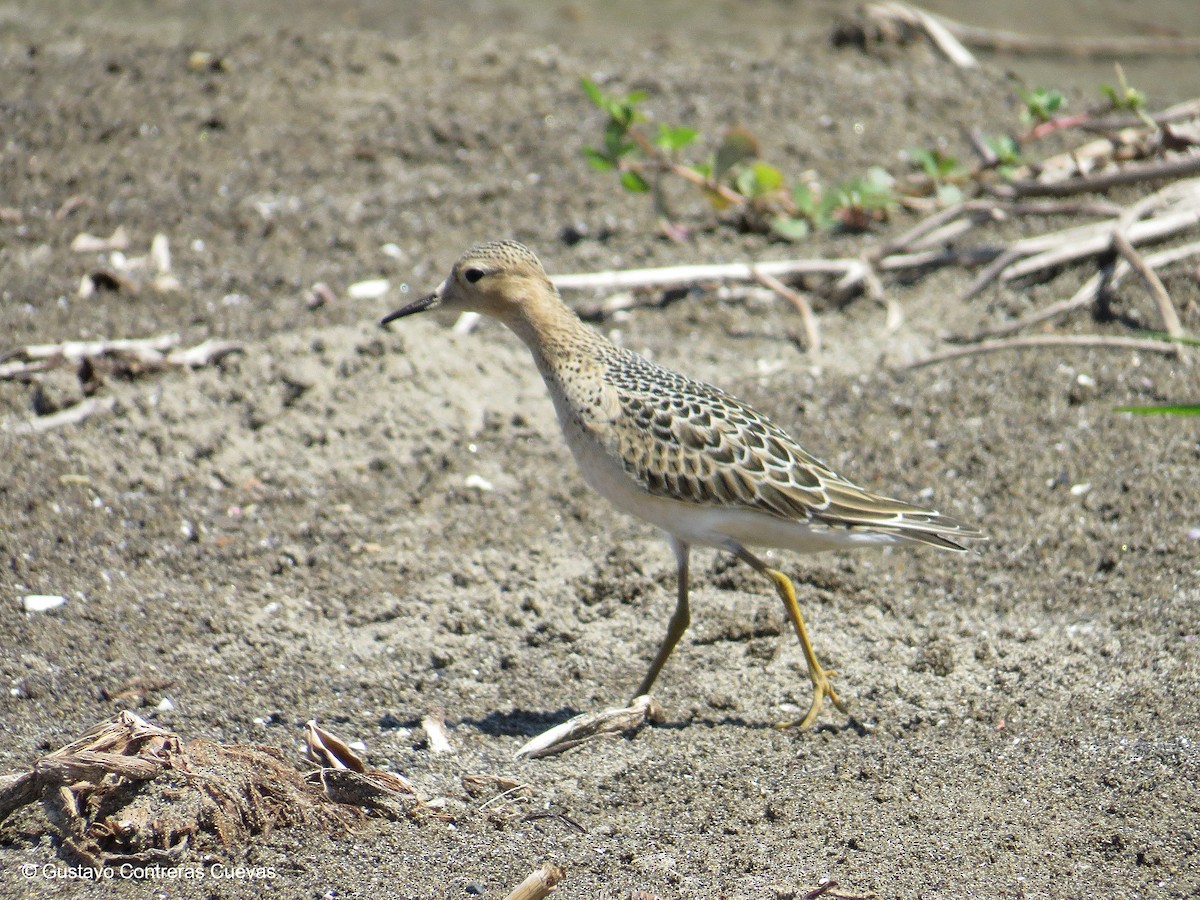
column 293, row 535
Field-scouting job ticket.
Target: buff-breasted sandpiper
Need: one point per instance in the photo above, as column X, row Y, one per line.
column 680, row 454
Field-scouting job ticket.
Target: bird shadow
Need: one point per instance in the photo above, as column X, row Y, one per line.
column 521, row 722
column 530, row 723
column 851, row 725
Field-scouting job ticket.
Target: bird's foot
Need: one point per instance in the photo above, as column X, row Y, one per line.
column 822, row 681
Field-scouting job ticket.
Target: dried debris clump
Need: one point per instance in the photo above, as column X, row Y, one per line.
column 128, row 791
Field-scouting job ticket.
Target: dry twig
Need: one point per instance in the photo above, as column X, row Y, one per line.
column 133, row 356
column 1042, row 340
column 1087, row 293
column 812, row 333
column 1166, row 309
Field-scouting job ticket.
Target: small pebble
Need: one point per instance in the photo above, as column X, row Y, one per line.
column 42, row 602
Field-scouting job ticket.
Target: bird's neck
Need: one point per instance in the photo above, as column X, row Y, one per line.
column 552, row 331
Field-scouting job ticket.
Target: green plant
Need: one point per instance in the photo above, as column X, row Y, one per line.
column 734, row 178
column 865, row 199
column 943, row 171
column 1123, row 96
column 1166, row 409
column 1007, row 152
column 1041, row 104
column 622, row 114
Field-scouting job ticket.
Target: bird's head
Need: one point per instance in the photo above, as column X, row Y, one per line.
column 498, row 279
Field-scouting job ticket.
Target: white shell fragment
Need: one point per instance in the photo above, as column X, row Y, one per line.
column 434, row 725
column 466, row 323
column 89, row 243
column 42, row 602
column 585, row 727
column 372, row 289
column 478, row 482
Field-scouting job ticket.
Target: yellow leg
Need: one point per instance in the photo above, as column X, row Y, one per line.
column 822, row 685
column 680, row 619
column 821, row 677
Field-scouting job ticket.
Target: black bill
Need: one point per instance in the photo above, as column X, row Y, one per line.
column 415, row 307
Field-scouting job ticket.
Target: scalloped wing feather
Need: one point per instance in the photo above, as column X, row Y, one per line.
column 688, row 440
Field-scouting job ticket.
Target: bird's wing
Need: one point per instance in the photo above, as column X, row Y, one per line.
column 688, row 440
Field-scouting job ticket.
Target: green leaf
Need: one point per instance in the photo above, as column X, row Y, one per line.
column 949, row 194
column 1005, row 147
column 759, row 179
column 634, row 182
column 738, row 146
column 768, row 177
column 1125, row 96
column 805, row 198
column 875, row 191
column 615, row 143
column 924, row 159
column 1186, row 340
column 1042, row 103
column 673, row 139
column 934, row 163
column 1166, row 409
column 791, row 229
column 594, row 93
column 745, row 183
column 597, row 160
column 880, row 178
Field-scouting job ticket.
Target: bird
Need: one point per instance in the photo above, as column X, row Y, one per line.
column 704, row 467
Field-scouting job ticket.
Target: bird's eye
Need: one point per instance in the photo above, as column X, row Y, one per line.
column 473, row 275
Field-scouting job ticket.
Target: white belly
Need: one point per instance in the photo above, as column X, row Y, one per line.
column 705, row 525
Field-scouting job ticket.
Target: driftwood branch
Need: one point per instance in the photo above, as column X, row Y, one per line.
column 949, row 36
column 1085, row 184
column 1069, row 251
column 933, row 27
column 538, row 884
column 150, row 354
column 72, row 415
column 1147, row 345
column 1088, row 292
column 135, row 355
column 686, row 276
column 1041, row 45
